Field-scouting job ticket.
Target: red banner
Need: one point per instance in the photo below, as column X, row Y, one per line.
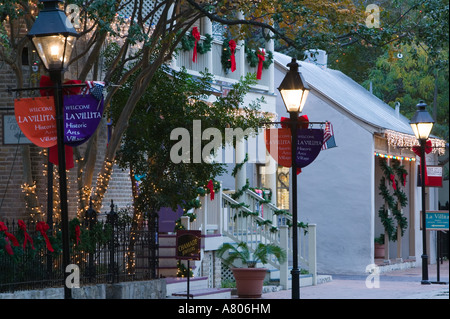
column 278, row 144
column 36, row 119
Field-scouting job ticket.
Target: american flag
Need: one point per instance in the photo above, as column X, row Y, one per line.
column 96, row 88
column 328, row 137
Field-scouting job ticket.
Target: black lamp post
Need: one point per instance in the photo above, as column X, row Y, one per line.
column 53, row 36
column 294, row 91
column 422, row 123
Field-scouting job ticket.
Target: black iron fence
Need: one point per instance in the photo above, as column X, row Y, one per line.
column 106, row 248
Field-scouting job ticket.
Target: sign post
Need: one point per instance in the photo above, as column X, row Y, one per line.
column 437, row 220
column 188, row 248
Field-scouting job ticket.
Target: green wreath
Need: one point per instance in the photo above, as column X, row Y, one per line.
column 252, row 58
column 188, row 43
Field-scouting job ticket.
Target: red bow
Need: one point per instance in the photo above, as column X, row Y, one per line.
column 46, row 81
column 196, row 36
column 261, row 58
column 211, row 188
column 42, row 227
column 428, row 149
column 77, row 233
column 232, row 45
column 392, row 177
column 9, row 237
column 27, row 237
column 303, row 123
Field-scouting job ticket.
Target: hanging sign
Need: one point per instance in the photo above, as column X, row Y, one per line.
column 434, row 174
column 188, row 244
column 309, row 145
column 278, row 144
column 82, row 115
column 36, row 119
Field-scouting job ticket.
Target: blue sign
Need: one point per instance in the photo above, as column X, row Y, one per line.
column 437, row 220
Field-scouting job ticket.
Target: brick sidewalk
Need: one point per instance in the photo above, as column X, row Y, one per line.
column 399, row 284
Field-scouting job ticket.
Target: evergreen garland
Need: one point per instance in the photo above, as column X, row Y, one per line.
column 188, row 43
column 402, row 200
column 195, row 203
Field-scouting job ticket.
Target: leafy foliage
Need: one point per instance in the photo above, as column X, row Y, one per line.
column 175, row 100
column 242, row 252
column 412, row 78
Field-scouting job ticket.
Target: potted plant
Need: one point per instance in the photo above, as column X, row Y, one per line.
column 249, row 280
column 379, row 246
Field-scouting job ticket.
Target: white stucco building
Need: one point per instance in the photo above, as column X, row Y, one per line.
column 339, row 190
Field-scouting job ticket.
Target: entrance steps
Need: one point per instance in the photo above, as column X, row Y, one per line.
column 176, row 288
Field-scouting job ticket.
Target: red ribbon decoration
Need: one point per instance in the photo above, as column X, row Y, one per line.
column 9, row 237
column 42, row 227
column 232, row 45
column 196, row 36
column 392, row 177
column 77, row 233
column 27, row 237
column 211, row 188
column 428, row 149
column 404, row 179
column 46, row 81
column 261, row 58
column 303, row 123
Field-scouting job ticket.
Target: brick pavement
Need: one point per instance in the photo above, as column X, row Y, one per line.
column 398, row 284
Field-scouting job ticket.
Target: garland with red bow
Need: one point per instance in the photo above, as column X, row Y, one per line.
column 27, row 237
column 9, row 238
column 428, row 149
column 191, row 41
column 43, row 227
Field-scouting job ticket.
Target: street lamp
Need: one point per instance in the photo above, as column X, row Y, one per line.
column 53, row 36
column 422, row 123
column 294, row 91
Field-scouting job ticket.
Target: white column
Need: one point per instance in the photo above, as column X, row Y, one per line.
column 209, row 55
column 271, row 70
column 312, row 254
column 241, row 57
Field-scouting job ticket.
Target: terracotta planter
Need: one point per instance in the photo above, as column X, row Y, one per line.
column 249, row 281
column 379, row 250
